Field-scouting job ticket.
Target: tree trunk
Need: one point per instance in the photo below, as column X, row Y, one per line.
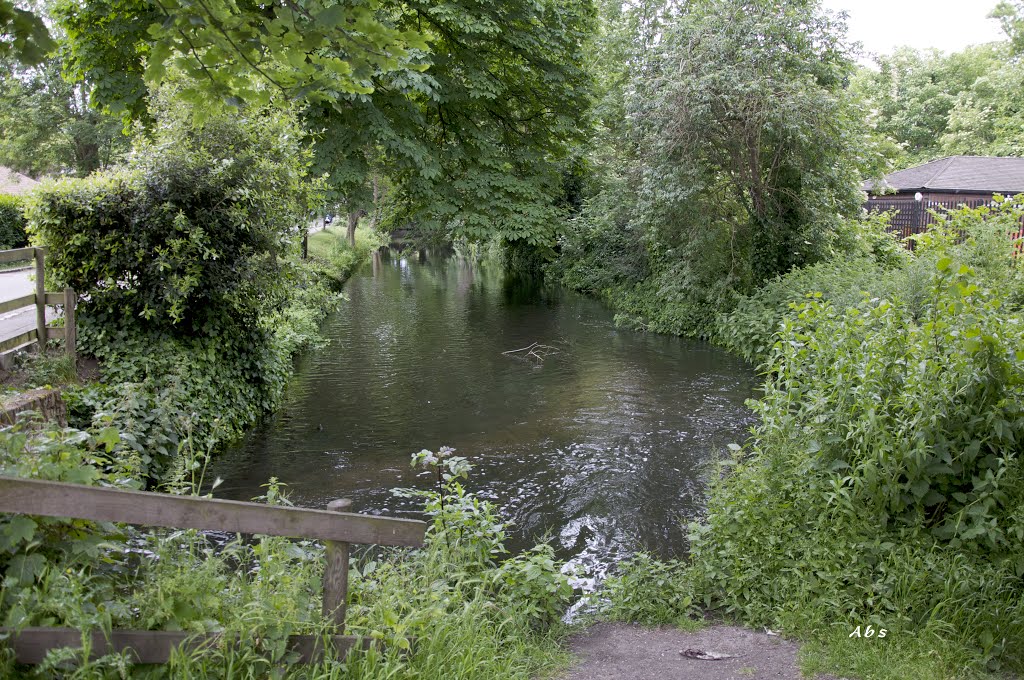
column 376, row 204
column 353, row 221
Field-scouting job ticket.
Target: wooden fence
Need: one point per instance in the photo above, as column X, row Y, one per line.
column 337, row 530
column 913, row 217
column 40, row 299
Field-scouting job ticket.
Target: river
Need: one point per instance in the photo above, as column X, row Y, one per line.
column 601, row 445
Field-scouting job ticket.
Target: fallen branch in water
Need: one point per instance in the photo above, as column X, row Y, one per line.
column 535, row 350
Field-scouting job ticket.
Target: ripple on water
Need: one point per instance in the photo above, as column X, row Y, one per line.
column 600, row 448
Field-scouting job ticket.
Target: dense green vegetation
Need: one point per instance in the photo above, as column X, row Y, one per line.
column 697, row 165
column 48, row 123
column 458, row 608
column 715, row 180
column 193, row 297
column 12, row 222
column 882, row 484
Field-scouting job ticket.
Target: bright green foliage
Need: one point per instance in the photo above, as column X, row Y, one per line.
column 933, row 104
column 884, row 481
column 741, row 154
column 474, row 145
column 647, row 591
column 451, row 611
column 1009, row 13
column 184, row 236
column 916, row 93
column 473, row 537
column 49, row 126
column 195, row 303
column 12, row 222
column 23, row 35
column 235, row 53
column 171, row 395
column 468, row 108
column 872, row 259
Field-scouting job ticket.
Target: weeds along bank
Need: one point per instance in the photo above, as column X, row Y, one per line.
column 457, row 608
column 884, row 483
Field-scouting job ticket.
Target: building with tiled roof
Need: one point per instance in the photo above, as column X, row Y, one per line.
column 952, row 177
column 12, row 182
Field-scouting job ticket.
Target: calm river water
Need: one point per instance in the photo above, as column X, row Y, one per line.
column 600, row 447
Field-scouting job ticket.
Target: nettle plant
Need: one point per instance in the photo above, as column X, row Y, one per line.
column 470, row 527
column 531, row 582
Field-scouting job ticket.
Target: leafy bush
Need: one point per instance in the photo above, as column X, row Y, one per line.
column 193, row 298
column 750, row 329
column 186, row 238
column 648, row 591
column 12, row 222
column 165, row 392
column 884, row 483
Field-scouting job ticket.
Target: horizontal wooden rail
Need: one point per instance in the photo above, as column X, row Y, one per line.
column 17, row 303
column 17, row 255
column 11, row 343
column 30, row 645
column 57, row 499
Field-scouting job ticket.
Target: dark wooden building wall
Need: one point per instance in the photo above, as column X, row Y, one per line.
column 913, row 217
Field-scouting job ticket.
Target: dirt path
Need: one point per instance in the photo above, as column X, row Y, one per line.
column 613, row 651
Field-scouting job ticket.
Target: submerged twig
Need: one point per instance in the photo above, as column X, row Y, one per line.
column 534, row 350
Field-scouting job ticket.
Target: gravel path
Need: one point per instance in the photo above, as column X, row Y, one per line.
column 613, row 651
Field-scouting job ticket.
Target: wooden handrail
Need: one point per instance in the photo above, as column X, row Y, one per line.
column 336, row 529
column 31, row 645
column 58, row 499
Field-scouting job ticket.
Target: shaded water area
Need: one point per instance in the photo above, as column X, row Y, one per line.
column 601, row 446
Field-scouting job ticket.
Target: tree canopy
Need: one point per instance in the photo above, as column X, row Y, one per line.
column 468, row 106
column 50, row 127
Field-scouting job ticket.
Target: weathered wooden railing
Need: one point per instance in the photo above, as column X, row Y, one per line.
column 336, row 529
column 41, row 333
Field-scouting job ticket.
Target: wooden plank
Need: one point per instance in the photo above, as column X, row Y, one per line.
column 55, row 298
column 30, row 645
column 16, row 255
column 335, row 600
column 17, row 303
column 55, row 332
column 57, row 499
column 40, row 299
column 11, row 343
column 70, row 331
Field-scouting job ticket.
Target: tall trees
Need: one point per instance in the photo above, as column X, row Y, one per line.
column 933, row 104
column 48, row 124
column 746, row 115
column 746, row 151
column 467, row 106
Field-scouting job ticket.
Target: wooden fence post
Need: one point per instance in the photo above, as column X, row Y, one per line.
column 39, row 255
column 69, row 325
column 336, row 575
